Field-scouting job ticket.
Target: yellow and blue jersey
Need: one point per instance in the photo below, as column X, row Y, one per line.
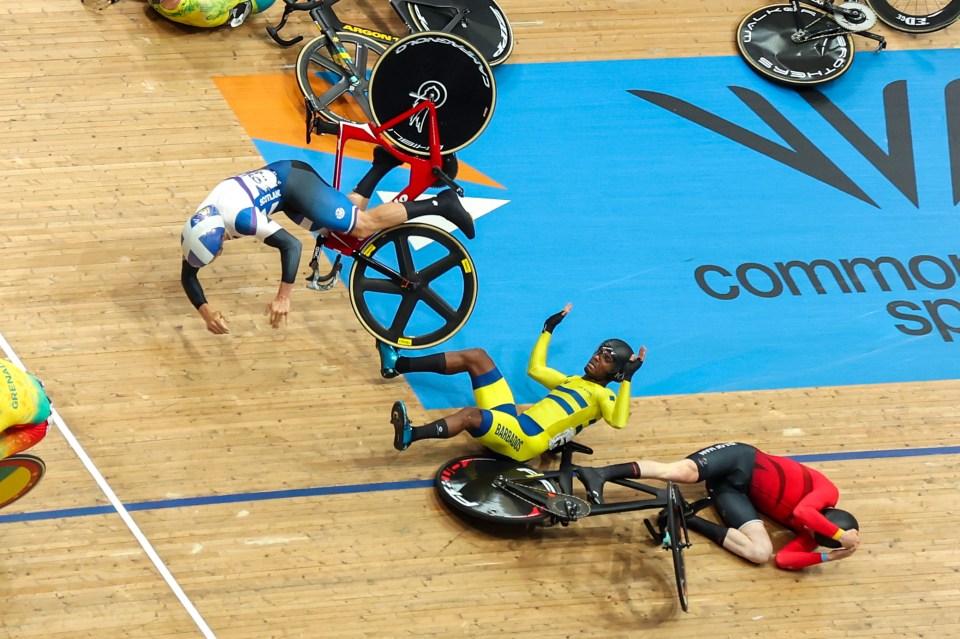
column 572, row 404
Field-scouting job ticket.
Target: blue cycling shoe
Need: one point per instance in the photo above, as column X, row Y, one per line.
column 402, row 430
column 388, row 359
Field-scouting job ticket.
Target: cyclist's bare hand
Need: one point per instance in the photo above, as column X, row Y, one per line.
column 840, row 553
column 278, row 310
column 216, row 322
column 850, row 539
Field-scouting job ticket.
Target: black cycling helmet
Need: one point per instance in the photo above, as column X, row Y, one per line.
column 839, row 518
column 621, row 353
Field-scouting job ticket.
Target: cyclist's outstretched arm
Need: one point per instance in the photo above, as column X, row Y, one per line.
column 537, row 367
column 215, row 321
column 289, row 248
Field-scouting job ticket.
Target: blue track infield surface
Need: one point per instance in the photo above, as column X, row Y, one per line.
column 321, row 491
column 752, row 237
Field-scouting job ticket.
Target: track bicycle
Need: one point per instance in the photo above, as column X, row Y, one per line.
column 413, row 285
column 490, row 488
column 805, row 42
column 18, row 475
column 333, row 68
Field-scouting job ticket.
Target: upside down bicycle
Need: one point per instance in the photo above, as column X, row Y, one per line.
column 808, row 42
column 494, row 489
column 413, row 285
column 333, row 68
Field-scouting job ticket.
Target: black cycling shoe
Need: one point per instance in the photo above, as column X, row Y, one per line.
column 450, row 208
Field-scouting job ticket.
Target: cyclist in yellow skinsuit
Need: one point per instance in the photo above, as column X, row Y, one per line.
column 199, row 13
column 24, row 410
column 209, row 13
column 574, row 401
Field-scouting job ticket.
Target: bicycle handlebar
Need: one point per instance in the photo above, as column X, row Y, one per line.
column 293, row 5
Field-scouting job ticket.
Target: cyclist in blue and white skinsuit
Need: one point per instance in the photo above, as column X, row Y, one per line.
column 243, row 205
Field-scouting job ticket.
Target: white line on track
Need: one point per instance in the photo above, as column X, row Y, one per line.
column 118, row 506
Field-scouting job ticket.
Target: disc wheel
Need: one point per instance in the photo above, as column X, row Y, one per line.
column 485, row 26
column 18, row 475
column 765, row 41
column 443, row 69
column 917, row 16
column 466, row 485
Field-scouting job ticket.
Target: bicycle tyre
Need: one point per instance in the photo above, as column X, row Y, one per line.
column 443, row 68
column 763, row 41
column 19, row 474
column 677, row 528
column 386, row 308
column 465, row 485
column 487, row 27
column 326, row 87
column 935, row 15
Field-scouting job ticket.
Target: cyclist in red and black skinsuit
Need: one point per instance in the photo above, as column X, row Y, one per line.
column 742, row 482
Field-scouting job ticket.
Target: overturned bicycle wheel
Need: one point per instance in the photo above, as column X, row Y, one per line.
column 440, row 68
column 468, row 486
column 413, row 285
column 18, row 475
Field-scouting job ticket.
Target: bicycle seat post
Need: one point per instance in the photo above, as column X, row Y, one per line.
column 566, row 469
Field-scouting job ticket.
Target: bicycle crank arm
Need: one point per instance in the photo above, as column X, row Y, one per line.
column 449, row 181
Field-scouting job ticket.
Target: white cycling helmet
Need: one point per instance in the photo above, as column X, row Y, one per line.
column 202, row 236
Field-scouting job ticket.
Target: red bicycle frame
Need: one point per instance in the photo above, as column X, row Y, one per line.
column 424, row 171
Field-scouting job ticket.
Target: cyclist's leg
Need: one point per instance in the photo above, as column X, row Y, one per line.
column 475, row 361
column 446, row 204
column 503, row 433
column 745, row 535
column 310, row 202
column 383, row 163
column 313, row 204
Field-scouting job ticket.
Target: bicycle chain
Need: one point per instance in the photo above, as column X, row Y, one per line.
column 581, row 507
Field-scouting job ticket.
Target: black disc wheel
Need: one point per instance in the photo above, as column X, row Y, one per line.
column 767, row 40
column 440, row 68
column 917, row 16
column 483, row 24
column 466, row 485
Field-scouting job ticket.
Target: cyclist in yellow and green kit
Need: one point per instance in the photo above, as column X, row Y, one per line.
column 574, row 401
column 24, row 410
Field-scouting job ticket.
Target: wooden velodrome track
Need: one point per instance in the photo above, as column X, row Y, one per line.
column 113, row 132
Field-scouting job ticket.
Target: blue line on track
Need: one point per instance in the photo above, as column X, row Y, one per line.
column 321, row 491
